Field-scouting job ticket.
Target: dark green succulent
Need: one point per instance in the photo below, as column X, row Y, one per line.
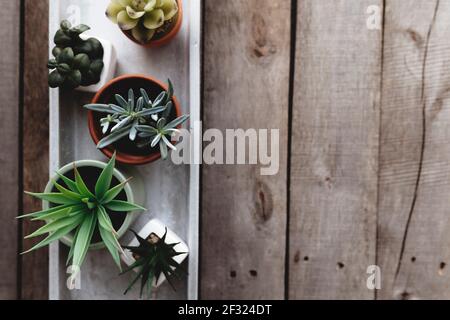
column 154, row 257
column 77, row 62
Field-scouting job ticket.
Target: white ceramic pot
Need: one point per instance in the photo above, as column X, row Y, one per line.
column 157, row 227
column 133, row 189
column 109, row 69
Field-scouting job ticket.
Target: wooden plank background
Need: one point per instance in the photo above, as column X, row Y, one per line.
column 34, row 266
column 9, row 146
column 364, row 173
column 334, row 151
column 414, row 156
column 251, row 208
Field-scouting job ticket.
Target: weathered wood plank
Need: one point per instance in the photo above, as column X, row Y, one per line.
column 414, row 223
column 246, row 82
column 35, row 140
column 334, row 151
column 9, row 156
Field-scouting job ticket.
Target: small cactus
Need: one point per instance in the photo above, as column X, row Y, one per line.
column 144, row 18
column 76, row 61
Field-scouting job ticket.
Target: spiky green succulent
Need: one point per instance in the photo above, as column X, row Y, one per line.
column 144, row 122
column 154, row 257
column 77, row 62
column 78, row 210
column 143, row 18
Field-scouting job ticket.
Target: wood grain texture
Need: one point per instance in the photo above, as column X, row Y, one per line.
column 339, row 148
column 166, row 185
column 246, row 85
column 35, row 140
column 414, row 224
column 9, row 155
column 334, row 160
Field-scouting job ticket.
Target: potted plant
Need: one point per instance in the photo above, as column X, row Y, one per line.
column 156, row 254
column 87, row 205
column 140, row 128
column 79, row 61
column 147, row 22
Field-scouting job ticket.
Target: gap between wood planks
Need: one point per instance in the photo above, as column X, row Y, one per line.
column 294, row 13
column 377, row 236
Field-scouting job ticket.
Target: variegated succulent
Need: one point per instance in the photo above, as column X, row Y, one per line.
column 144, row 18
column 146, row 120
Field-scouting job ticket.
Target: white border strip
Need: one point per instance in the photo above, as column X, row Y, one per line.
column 53, row 268
column 195, row 106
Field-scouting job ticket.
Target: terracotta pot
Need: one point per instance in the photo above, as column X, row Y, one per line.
column 127, row 151
column 167, row 37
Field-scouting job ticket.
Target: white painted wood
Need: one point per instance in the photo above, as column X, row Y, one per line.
column 54, row 164
column 172, row 191
column 194, row 187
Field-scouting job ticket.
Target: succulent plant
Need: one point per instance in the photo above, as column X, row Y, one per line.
column 122, row 118
column 160, row 134
column 154, row 257
column 143, row 17
column 76, row 61
column 77, row 209
column 145, row 119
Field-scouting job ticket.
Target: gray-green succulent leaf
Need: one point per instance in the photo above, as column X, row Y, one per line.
column 106, row 122
column 161, row 134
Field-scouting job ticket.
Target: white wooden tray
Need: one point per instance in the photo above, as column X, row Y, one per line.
column 172, row 191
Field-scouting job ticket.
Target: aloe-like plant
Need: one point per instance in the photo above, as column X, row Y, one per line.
column 144, row 18
column 154, row 257
column 77, row 209
column 75, row 61
column 143, row 118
